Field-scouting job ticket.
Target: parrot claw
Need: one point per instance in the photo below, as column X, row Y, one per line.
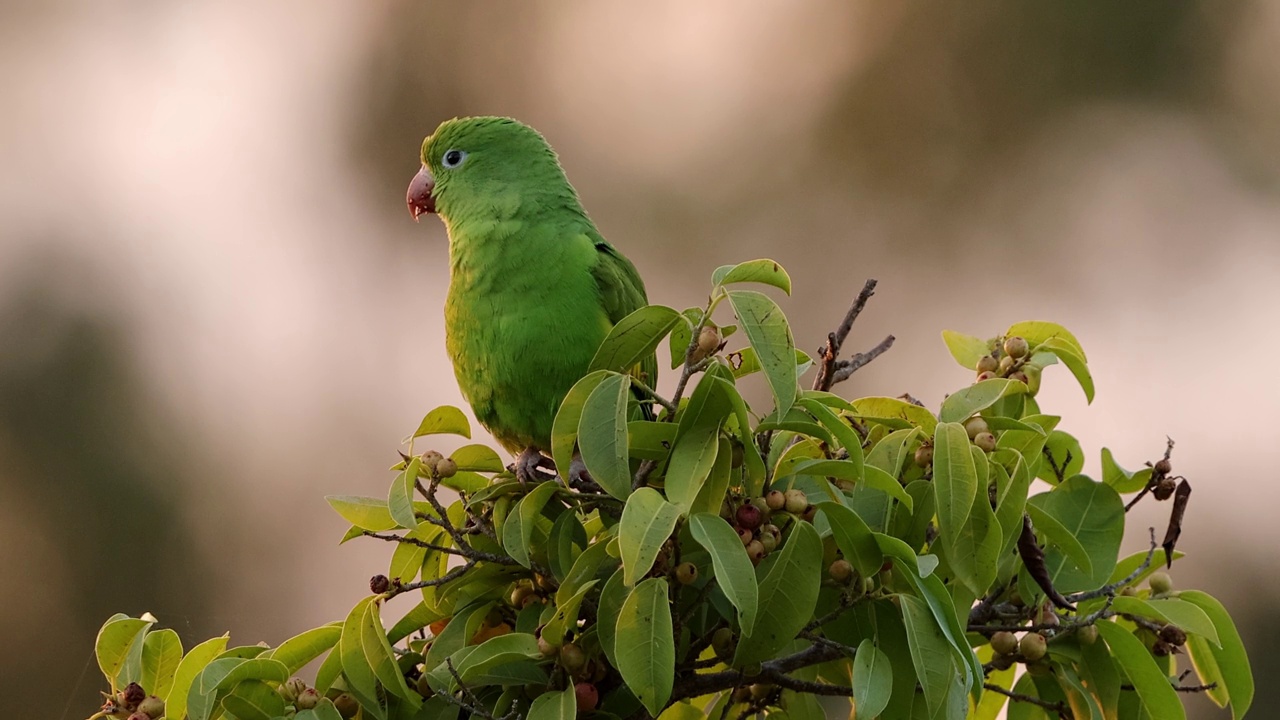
column 579, row 476
column 532, row 466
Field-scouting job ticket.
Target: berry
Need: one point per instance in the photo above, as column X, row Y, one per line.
column 985, row 441
column 1033, row 646
column 347, row 705
column 446, row 468
column 1033, row 379
column 423, row 687
column 1004, row 643
column 1173, row 635
column 796, row 501
column 975, row 425
column 292, row 688
column 139, row 716
column 309, row 698
column 518, row 594
column 773, row 530
column 775, row 500
column 379, row 584
column 984, row 376
column 132, row 695
column 1088, row 634
column 1002, row 662
column 708, row 341
column 760, row 691
column 153, row 707
column 686, row 572
column 924, row 456
column 762, row 505
column 1162, row 649
column 740, row 695
column 1006, row 364
column 840, row 570
column 746, row 536
column 749, row 516
column 756, row 552
column 438, row 626
column 546, row 648
column 529, row 599
column 809, row 513
column 587, row 695
column 1163, row 467
column 1160, row 582
column 723, row 643
column 987, row 363
column 572, row 658
column 1020, row 377
column 770, row 541
column 1016, row 347
column 1164, row 489
column 431, row 459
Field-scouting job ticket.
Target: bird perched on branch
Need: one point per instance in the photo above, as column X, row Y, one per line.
column 533, row 287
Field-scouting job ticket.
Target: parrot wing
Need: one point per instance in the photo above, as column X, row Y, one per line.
column 622, row 293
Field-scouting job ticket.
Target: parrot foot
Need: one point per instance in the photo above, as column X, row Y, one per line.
column 532, row 466
column 580, row 477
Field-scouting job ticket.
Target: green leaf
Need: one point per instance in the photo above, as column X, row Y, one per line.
column 712, row 494
column 444, row 420
column 733, row 570
column 1150, row 682
column 977, row 397
column 955, row 478
column 1075, row 362
column 517, row 531
column 612, row 595
column 400, row 497
column 555, row 705
column 788, row 595
column 647, row 522
column 406, row 559
column 378, row 653
column 254, row 700
column 970, row 534
column 767, row 330
column 869, row 476
column 634, row 338
column 566, row 614
column 258, row 668
column 853, row 537
column 1094, row 514
column 1231, row 660
column 602, row 435
column 1050, row 531
column 895, row 413
column 696, row 445
column 564, row 429
column 767, row 272
column 1185, row 615
column 645, row 646
column 565, row 543
column 202, row 698
column 844, row 434
column 497, row 651
column 966, row 349
column 929, row 650
column 192, row 664
column 753, row 464
column 356, row 667
column 650, row 439
column 456, row 634
column 301, row 649
column 366, row 513
column 682, row 335
column 477, row 458
column 1037, row 332
column 420, row 616
column 1132, row 562
column 1119, row 478
column 119, row 649
column 1029, row 444
column 872, row 680
column 746, row 362
column 161, row 653
column 1067, row 454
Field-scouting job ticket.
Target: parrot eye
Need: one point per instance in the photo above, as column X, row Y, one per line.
column 453, row 158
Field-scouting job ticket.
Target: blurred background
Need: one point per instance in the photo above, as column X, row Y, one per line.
column 214, row 309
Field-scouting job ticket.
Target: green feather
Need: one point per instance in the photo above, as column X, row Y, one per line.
column 534, row 288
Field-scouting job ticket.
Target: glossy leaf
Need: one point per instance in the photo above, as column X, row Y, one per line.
column 977, row 397
column 1051, row 532
column 444, row 420
column 634, row 338
column 1122, row 480
column 301, row 649
column 367, row 513
column 854, row 538
column 788, row 595
column 767, row 330
column 119, row 649
column 400, row 497
column 1094, row 514
column 1067, row 353
column 645, row 647
column 602, row 435
column 1231, row 660
column 647, row 522
column 564, row 428
column 929, row 650
column 767, row 272
column 872, row 680
column 161, row 654
column 477, row 458
column 966, row 349
column 254, row 700
column 733, row 570
column 896, row 413
column 554, row 705
column 1149, row 681
column 1185, row 615
column 517, row 531
column 192, row 664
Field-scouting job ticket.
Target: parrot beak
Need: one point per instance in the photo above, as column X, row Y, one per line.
column 419, row 197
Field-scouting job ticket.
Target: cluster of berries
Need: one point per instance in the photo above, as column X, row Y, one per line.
column 751, row 519
column 133, row 703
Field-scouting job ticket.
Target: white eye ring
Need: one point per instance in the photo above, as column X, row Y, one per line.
column 453, row 158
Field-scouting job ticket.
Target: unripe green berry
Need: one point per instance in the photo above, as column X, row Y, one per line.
column 308, row 699
column 1016, row 347
column 762, row 505
column 708, row 340
column 1019, row 376
column 1004, row 643
column 770, row 541
column 346, row 705
column 139, row 715
column 446, row 468
column 572, row 658
column 1033, row 646
column 686, row 572
column 775, row 500
column 723, row 643
column 1033, row 379
column 518, row 594
column 760, row 691
column 152, row 707
column 985, row 441
column 546, row 648
column 924, row 456
column 431, row 460
column 796, row 501
column 840, row 570
column 987, row 363
column 975, row 425
column 424, row 687
column 292, row 688
column 1006, row 364
column 1088, row 634
column 1160, row 582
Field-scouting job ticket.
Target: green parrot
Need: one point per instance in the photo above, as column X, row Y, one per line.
column 533, row 287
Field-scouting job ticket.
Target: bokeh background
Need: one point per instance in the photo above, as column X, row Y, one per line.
column 214, row 309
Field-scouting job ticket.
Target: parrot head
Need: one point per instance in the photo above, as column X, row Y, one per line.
column 485, row 166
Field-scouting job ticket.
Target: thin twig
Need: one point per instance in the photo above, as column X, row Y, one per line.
column 1054, row 706
column 845, row 369
column 1115, row 586
column 829, row 352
